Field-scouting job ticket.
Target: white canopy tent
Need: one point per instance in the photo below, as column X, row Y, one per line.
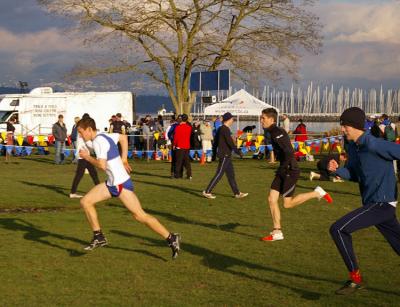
column 239, row 104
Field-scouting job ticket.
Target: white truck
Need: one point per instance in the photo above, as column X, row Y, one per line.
column 37, row 111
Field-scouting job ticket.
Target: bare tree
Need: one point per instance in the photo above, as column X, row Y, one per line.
column 167, row 39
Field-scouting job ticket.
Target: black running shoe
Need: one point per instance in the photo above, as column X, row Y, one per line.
column 349, row 288
column 174, row 243
column 97, row 241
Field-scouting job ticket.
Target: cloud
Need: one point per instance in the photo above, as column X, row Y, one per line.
column 361, row 22
column 50, row 40
column 361, row 41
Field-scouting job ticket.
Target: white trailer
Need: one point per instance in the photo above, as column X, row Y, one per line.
column 39, row 110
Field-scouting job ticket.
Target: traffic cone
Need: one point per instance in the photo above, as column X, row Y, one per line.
column 203, row 159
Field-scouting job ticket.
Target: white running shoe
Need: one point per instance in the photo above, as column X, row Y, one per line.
column 209, row 195
column 312, row 176
column 273, row 237
column 337, row 180
column 73, row 195
column 241, row 195
column 323, row 194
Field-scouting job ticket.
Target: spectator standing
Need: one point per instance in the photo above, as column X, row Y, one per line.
column 217, row 124
column 118, row 126
column 196, row 139
column 206, row 134
column 170, row 135
column 74, row 138
column 60, row 134
column 301, row 132
column 181, row 143
column 223, row 146
column 286, row 123
column 249, row 129
column 10, row 134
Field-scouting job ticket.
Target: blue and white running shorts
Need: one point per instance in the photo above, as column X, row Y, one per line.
column 115, row 191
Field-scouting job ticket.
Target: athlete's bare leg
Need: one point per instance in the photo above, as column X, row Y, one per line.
column 273, row 201
column 132, row 203
column 291, row 202
column 88, row 202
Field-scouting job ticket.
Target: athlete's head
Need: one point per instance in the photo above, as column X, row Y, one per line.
column 352, row 121
column 87, row 128
column 269, row 117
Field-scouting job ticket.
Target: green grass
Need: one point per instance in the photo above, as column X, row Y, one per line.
column 222, row 263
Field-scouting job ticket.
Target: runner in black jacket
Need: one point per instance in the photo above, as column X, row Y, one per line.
column 223, row 147
column 286, row 176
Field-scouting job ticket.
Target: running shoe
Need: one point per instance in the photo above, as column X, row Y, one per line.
column 349, row 288
column 97, row 241
column 312, row 176
column 323, row 194
column 273, row 237
column 209, row 195
column 241, row 195
column 74, row 195
column 174, row 243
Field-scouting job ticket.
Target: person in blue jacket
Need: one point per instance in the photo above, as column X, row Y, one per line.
column 370, row 163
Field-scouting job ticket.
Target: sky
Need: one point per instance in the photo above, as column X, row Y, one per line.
column 360, row 47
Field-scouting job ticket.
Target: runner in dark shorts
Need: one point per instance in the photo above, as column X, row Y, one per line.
column 285, row 184
column 286, row 176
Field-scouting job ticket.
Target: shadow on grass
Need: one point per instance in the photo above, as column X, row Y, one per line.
column 54, row 188
column 229, row 227
column 135, row 172
column 40, row 160
column 225, row 263
column 193, row 192
column 33, row 233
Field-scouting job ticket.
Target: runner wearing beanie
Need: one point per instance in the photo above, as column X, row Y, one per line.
column 370, row 163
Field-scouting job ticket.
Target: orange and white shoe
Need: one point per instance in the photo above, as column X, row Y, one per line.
column 273, row 237
column 323, row 194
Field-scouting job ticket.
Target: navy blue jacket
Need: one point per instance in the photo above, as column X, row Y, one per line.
column 370, row 163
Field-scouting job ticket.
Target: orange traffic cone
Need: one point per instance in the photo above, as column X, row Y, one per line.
column 203, row 159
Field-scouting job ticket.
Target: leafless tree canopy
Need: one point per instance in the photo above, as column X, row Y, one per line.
column 167, row 39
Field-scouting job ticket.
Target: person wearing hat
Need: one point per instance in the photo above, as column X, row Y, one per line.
column 287, row 174
column 370, row 163
column 223, row 146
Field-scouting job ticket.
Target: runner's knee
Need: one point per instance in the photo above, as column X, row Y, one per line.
column 334, row 229
column 84, row 203
column 140, row 217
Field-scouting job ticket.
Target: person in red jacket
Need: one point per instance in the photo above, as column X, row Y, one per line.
column 301, row 131
column 181, row 144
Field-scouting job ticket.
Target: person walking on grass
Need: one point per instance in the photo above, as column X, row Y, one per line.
column 82, row 165
column 118, row 184
column 223, row 147
column 287, row 174
column 370, row 163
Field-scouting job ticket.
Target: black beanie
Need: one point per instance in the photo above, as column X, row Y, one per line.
column 353, row 117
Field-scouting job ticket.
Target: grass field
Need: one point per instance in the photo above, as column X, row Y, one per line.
column 223, row 262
